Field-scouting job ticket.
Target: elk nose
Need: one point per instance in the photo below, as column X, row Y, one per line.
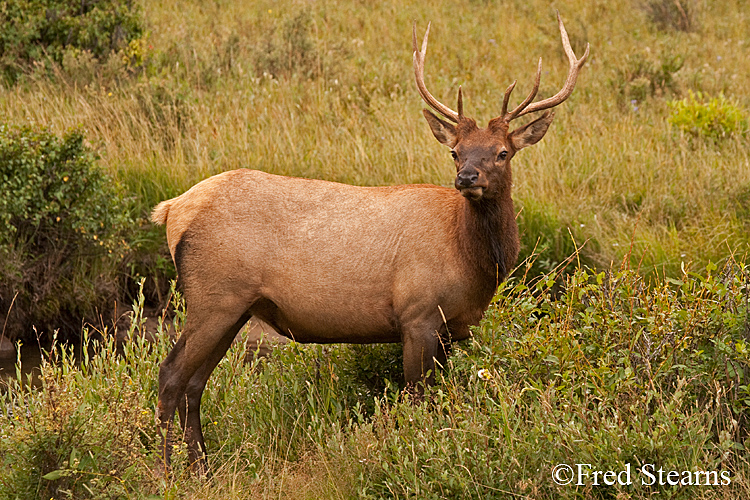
column 466, row 179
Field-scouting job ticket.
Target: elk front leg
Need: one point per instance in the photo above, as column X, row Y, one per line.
column 421, row 346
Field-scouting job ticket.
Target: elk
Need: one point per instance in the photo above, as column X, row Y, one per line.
column 326, row 262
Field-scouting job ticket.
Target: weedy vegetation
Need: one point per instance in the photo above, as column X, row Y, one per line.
column 613, row 371
column 65, row 224
column 714, row 119
column 622, row 340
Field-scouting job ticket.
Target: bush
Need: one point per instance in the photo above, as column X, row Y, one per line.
column 90, row 427
column 37, row 31
column 610, row 371
column 714, row 118
column 289, row 48
column 646, row 76
column 671, row 14
column 65, row 220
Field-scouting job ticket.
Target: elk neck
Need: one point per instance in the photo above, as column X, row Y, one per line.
column 489, row 239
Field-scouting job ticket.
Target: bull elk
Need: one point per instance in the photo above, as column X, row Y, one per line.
column 326, row 262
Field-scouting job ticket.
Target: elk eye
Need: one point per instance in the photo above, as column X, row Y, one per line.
column 502, row 155
column 454, row 155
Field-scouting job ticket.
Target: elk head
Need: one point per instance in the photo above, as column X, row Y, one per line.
column 482, row 156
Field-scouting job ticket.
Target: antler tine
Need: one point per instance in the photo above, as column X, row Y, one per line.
column 419, row 56
column 460, row 103
column 506, row 98
column 570, row 82
column 513, row 114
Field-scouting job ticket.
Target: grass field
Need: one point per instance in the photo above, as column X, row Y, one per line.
column 645, row 169
column 217, row 92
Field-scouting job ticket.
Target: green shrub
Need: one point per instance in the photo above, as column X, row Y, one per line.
column 289, row 48
column 373, row 368
column 610, row 371
column 90, row 427
column 714, row 118
column 645, row 76
column 667, row 15
column 65, row 221
column 546, row 239
column 35, row 31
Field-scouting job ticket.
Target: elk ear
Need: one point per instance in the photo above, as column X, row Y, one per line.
column 443, row 131
column 531, row 133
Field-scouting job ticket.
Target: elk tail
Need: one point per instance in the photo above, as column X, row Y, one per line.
column 160, row 212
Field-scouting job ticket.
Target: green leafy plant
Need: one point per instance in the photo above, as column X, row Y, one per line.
column 290, row 48
column 671, row 14
column 646, row 76
column 608, row 370
column 65, row 223
column 713, row 118
column 35, row 32
column 86, row 437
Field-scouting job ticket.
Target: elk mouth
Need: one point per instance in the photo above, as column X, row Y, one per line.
column 473, row 193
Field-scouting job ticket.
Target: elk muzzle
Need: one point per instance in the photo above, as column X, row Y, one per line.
column 470, row 183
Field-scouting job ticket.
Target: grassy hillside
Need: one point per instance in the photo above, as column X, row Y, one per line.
column 646, row 169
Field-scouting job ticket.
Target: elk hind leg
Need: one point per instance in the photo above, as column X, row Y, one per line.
column 205, row 334
column 189, row 407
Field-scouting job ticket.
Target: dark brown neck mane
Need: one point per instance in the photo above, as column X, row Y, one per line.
column 491, row 237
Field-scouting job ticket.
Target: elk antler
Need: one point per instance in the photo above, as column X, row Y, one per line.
column 419, row 75
column 525, row 107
